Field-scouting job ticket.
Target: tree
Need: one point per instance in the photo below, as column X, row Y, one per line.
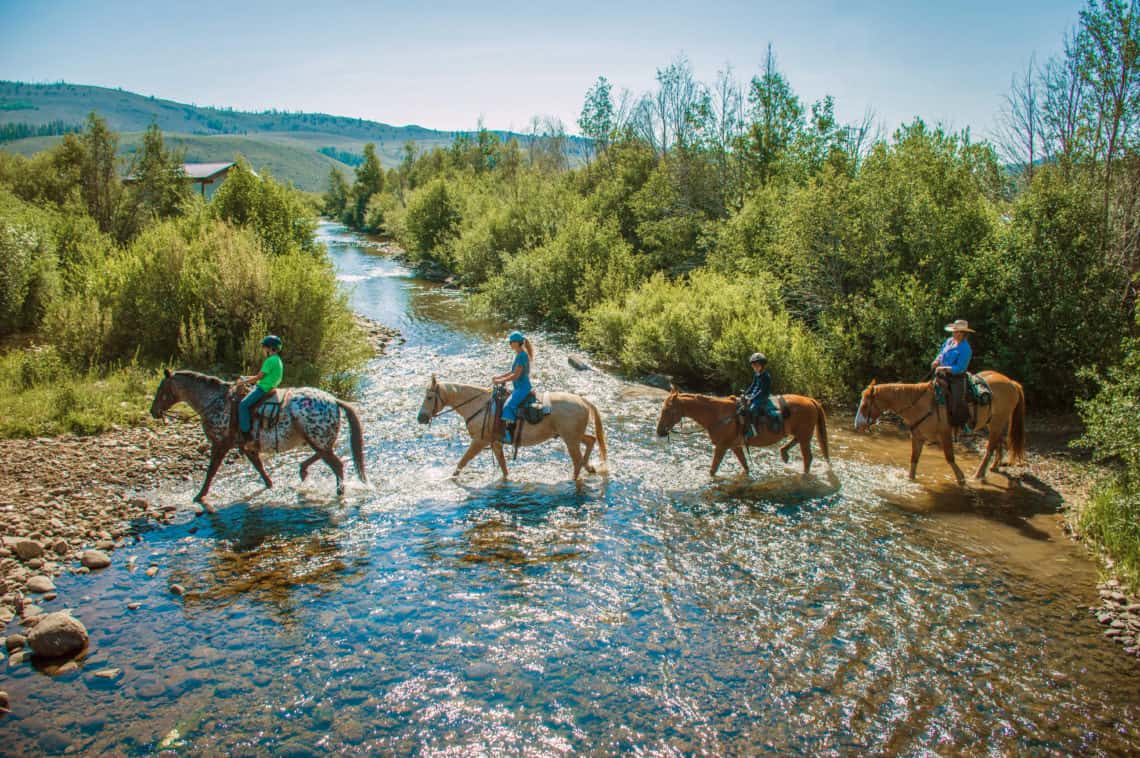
column 336, row 199
column 369, row 181
column 99, row 182
column 159, row 186
column 1020, row 121
column 777, row 117
column 597, row 118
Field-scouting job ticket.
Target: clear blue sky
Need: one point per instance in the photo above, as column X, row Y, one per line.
column 444, row 64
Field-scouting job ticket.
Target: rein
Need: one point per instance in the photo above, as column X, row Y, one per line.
column 438, row 398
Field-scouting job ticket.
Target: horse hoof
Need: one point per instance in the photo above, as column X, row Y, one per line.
column 304, row 473
column 591, row 470
column 786, row 458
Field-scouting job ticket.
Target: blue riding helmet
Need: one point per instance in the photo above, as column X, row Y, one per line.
column 516, row 337
column 758, row 358
column 273, row 342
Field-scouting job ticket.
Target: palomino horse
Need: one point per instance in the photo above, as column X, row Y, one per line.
column 720, row 419
column 309, row 416
column 928, row 422
column 569, row 416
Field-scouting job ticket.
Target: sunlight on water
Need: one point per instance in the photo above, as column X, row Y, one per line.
column 652, row 610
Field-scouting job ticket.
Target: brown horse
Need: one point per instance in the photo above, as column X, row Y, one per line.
column 916, row 404
column 726, row 428
column 568, row 419
column 308, row 417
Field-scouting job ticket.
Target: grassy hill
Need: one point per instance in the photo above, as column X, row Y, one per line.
column 286, row 144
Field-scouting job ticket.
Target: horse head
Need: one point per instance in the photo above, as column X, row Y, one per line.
column 869, row 410
column 670, row 413
column 433, row 402
column 164, row 396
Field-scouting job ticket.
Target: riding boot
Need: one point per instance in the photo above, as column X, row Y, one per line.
column 507, row 426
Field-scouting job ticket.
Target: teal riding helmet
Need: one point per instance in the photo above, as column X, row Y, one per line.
column 516, row 337
column 273, row 342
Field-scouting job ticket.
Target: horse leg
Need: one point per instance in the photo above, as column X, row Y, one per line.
column 473, row 450
column 992, row 446
column 308, row 462
column 785, row 448
column 255, row 458
column 497, row 449
column 337, row 465
column 915, row 454
column 718, row 455
column 589, row 441
column 948, row 451
column 805, row 449
column 739, row 453
column 217, row 455
column 575, row 456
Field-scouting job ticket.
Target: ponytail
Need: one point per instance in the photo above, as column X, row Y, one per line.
column 529, row 348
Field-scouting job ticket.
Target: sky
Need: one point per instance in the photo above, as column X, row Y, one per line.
column 447, row 65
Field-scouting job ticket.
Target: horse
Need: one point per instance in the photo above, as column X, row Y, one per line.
column 308, row 416
column 917, row 405
column 568, row 418
column 725, row 427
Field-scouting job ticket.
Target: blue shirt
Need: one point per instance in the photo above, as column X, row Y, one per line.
column 955, row 356
column 757, row 392
column 523, row 360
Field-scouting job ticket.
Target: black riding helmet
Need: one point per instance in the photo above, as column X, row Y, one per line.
column 758, row 358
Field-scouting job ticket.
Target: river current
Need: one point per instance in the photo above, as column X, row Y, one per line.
column 650, row 610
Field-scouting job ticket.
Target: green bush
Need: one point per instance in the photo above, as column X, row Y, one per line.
column 431, row 220
column 281, row 217
column 28, row 273
column 379, row 206
column 702, row 330
column 586, row 263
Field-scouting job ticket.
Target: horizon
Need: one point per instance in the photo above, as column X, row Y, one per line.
column 950, row 68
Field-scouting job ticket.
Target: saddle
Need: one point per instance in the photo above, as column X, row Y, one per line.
column 265, row 412
column 962, row 395
column 532, row 410
column 775, row 411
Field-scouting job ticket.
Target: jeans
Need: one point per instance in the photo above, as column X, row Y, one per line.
column 244, row 420
column 510, row 409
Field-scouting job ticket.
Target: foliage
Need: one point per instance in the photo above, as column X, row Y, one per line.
column 278, row 214
column 701, row 329
column 431, row 220
column 41, row 395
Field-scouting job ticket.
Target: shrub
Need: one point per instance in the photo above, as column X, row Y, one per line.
column 702, row 330
column 431, row 220
column 28, row 276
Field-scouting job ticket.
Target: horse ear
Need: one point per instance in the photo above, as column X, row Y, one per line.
column 167, row 372
column 433, row 380
column 673, row 389
column 872, row 383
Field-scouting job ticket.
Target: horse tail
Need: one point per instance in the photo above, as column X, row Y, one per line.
column 599, row 433
column 1017, row 425
column 356, row 438
column 821, row 430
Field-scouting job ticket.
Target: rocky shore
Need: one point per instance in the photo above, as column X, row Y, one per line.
column 67, row 502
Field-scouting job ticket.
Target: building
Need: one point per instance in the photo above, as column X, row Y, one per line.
column 207, row 176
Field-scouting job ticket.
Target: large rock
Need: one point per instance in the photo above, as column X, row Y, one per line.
column 579, row 363
column 95, row 559
column 40, row 583
column 28, row 549
column 57, row 635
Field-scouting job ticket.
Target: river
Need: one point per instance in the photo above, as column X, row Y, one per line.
column 652, row 610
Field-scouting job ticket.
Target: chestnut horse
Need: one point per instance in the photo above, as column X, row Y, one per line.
column 928, row 422
column 308, row 417
column 726, row 428
column 568, row 419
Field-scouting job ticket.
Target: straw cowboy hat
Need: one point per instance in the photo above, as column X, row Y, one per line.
column 961, row 325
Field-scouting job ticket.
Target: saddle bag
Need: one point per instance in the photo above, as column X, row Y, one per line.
column 534, row 410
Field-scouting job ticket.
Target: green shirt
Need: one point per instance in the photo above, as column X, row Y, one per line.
column 273, row 368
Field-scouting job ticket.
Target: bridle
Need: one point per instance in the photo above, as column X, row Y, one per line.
column 437, row 400
column 874, row 413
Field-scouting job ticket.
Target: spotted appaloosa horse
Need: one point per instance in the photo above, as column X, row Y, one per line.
column 308, row 417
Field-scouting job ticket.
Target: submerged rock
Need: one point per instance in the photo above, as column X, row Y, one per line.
column 57, row 635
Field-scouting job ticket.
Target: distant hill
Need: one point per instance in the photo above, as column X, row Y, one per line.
column 289, row 145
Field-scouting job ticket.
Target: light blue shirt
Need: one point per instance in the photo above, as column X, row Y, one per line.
column 955, row 355
column 523, row 360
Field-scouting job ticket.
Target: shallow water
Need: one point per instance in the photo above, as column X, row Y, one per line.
column 653, row 610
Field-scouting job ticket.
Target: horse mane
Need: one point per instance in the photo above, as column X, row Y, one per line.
column 202, row 378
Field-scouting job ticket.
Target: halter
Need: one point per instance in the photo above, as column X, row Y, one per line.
column 873, row 418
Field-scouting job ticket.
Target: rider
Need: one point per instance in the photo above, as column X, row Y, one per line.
column 757, row 393
column 520, row 375
column 267, row 379
column 950, row 369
